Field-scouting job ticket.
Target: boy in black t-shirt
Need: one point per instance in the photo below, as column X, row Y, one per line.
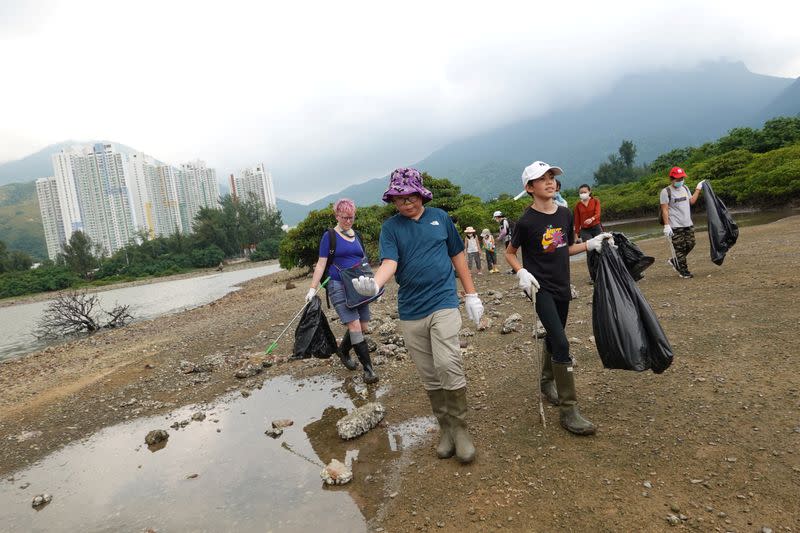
column 545, row 234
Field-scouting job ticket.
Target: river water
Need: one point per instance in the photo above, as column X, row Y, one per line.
column 17, row 322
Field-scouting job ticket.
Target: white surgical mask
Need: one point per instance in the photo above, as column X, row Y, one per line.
column 584, row 196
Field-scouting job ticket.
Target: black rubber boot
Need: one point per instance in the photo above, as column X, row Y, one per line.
column 344, row 352
column 446, row 447
column 571, row 418
column 457, row 412
column 548, row 384
column 362, row 351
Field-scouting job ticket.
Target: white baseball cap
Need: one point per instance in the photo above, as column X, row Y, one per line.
column 536, row 170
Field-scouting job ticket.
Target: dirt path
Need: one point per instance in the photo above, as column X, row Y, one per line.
column 715, row 440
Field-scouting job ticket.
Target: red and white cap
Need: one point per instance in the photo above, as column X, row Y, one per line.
column 677, row 173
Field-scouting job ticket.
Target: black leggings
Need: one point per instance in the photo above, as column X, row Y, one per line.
column 553, row 315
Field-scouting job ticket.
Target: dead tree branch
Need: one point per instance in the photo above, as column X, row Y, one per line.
column 77, row 312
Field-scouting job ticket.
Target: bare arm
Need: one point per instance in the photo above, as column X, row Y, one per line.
column 665, row 213
column 385, row 272
column 319, row 270
column 578, row 248
column 460, row 264
column 511, row 257
column 695, row 196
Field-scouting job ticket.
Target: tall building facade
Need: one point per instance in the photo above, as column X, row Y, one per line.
column 117, row 198
column 52, row 218
column 254, row 182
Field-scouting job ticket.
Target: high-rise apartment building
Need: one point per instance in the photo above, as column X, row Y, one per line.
column 254, row 182
column 64, row 165
column 197, row 187
column 52, row 220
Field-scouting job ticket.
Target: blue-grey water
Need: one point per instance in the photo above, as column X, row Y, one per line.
column 18, row 321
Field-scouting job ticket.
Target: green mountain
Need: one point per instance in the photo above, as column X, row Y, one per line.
column 658, row 111
column 20, row 220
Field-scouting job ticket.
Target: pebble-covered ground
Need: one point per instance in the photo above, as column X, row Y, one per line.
column 713, row 444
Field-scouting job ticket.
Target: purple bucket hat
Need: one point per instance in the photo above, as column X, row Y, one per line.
column 404, row 181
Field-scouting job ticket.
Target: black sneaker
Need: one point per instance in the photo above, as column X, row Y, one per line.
column 686, row 274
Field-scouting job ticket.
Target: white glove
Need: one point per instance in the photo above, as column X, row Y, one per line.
column 365, row 286
column 700, row 185
column 474, row 308
column 667, row 230
column 310, row 294
column 595, row 243
column 527, row 282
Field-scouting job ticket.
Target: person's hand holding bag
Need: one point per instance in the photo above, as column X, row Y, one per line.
column 366, row 286
column 595, row 243
column 310, row 294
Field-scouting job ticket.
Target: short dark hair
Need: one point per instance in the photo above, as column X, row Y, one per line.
column 585, row 185
column 558, row 184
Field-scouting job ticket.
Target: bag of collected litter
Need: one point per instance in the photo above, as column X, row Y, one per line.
column 313, row 336
column 626, row 330
column 632, row 256
column 722, row 230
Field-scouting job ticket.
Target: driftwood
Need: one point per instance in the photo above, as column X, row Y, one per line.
column 77, row 312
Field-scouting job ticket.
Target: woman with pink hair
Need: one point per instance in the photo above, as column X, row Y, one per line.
column 348, row 251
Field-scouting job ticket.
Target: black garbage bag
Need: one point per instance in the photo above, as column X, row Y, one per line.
column 632, row 256
column 722, row 230
column 626, row 330
column 313, row 336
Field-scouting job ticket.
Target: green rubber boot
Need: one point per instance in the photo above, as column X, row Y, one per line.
column 457, row 412
column 571, row 418
column 446, row 447
column 548, row 384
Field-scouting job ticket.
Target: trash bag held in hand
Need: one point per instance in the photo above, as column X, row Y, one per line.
column 313, row 336
column 632, row 256
column 626, row 330
column 722, row 230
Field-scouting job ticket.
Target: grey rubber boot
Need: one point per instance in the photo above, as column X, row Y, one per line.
column 446, row 447
column 457, row 412
column 548, row 384
column 362, row 351
column 571, row 418
column 344, row 352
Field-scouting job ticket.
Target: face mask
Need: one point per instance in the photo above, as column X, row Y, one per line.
column 584, row 196
column 678, row 184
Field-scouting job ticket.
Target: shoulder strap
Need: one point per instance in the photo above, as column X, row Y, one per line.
column 687, row 190
column 329, row 261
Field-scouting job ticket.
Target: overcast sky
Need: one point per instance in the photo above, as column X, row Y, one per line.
column 328, row 94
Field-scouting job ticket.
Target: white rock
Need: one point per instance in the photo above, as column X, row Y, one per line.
column 336, row 473
column 360, row 420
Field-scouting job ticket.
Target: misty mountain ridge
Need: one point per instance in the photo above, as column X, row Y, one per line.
column 658, row 111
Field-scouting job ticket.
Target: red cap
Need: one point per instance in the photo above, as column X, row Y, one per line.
column 677, row 172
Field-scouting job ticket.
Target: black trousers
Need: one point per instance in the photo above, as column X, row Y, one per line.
column 553, row 315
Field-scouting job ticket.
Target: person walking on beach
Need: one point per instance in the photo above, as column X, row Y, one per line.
column 587, row 219
column 473, row 249
column 348, row 251
column 505, row 228
column 487, row 242
column 545, row 235
column 420, row 246
column 676, row 202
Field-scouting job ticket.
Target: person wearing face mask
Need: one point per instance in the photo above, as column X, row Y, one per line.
column 587, row 219
column 545, row 235
column 676, row 216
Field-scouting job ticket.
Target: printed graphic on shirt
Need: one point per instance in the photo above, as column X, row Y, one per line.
column 552, row 239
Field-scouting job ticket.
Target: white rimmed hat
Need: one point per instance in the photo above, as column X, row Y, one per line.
column 469, row 229
column 536, row 170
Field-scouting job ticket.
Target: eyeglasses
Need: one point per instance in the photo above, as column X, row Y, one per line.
column 398, row 200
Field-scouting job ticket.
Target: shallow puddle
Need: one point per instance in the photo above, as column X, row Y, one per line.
column 218, row 474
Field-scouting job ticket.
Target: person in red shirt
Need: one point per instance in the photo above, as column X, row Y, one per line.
column 587, row 218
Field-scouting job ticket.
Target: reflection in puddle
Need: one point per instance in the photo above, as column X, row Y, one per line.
column 411, row 433
column 218, row 474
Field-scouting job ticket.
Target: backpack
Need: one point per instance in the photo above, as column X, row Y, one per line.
column 332, row 251
column 669, row 201
column 510, row 232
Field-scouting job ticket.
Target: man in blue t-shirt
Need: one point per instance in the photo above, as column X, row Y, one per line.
column 420, row 246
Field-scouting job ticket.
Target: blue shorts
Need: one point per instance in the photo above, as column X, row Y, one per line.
column 346, row 315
